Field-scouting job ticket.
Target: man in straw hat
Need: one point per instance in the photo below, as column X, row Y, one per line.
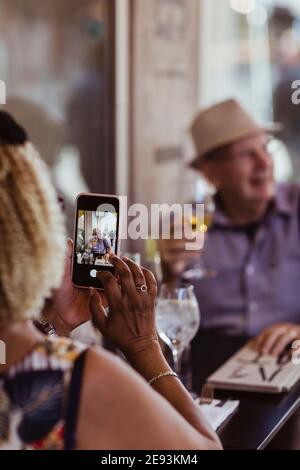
column 253, row 244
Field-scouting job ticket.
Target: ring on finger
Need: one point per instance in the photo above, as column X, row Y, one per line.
column 143, row 288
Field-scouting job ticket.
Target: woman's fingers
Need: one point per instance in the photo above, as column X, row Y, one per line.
column 130, row 276
column 150, row 281
column 136, row 271
column 125, row 275
column 111, row 288
column 103, row 298
column 142, row 276
column 68, row 268
column 97, row 310
column 70, row 248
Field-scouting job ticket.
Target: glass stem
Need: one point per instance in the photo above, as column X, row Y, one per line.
column 177, row 358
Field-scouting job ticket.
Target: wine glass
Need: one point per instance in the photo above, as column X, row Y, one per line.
column 199, row 270
column 177, row 318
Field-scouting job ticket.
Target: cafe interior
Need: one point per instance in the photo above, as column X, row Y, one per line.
column 183, row 102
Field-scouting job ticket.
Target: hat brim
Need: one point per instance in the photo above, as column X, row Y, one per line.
column 273, row 128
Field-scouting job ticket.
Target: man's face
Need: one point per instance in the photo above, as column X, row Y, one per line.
column 244, row 170
column 99, row 234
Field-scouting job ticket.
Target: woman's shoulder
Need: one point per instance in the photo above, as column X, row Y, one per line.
column 33, row 390
column 108, row 373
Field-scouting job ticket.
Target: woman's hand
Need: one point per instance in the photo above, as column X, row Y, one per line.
column 130, row 324
column 274, row 339
column 69, row 307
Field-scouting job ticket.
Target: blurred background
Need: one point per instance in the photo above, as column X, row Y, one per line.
column 107, row 88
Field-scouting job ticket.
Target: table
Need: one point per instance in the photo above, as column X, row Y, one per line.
column 260, row 416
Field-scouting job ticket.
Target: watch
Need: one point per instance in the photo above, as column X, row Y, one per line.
column 47, row 327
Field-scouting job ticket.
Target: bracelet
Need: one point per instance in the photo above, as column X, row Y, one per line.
column 161, row 375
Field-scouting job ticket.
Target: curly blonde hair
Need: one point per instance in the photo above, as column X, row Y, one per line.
column 32, row 234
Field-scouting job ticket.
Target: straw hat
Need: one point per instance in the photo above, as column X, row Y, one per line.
column 221, row 125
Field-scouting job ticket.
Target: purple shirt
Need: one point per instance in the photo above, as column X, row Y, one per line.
column 258, row 278
column 100, row 246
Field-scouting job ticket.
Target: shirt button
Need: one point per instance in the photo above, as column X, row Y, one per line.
column 250, row 270
column 253, row 307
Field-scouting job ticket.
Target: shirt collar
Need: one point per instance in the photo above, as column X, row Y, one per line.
column 282, row 204
column 285, row 200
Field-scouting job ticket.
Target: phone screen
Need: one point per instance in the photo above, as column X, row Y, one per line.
column 96, row 237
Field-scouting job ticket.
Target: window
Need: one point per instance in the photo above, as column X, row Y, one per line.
column 251, row 50
column 57, row 61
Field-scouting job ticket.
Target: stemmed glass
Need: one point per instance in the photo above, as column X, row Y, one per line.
column 198, row 270
column 177, row 319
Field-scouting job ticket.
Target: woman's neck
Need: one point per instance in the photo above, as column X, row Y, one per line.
column 18, row 338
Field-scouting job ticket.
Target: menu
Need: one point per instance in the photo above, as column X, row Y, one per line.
column 248, row 370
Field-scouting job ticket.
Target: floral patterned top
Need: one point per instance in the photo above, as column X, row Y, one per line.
column 34, row 393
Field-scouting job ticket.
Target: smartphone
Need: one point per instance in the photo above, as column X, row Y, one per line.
column 97, row 225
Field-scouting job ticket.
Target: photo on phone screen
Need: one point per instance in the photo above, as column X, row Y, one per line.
column 96, row 237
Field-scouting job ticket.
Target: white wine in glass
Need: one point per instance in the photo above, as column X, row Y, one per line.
column 199, row 270
column 177, row 319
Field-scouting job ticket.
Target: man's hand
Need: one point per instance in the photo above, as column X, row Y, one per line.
column 174, row 256
column 69, row 307
column 274, row 339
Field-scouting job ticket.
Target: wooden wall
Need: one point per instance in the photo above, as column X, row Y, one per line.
column 164, row 97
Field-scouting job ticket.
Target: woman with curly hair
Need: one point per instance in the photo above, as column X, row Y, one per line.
column 56, row 393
